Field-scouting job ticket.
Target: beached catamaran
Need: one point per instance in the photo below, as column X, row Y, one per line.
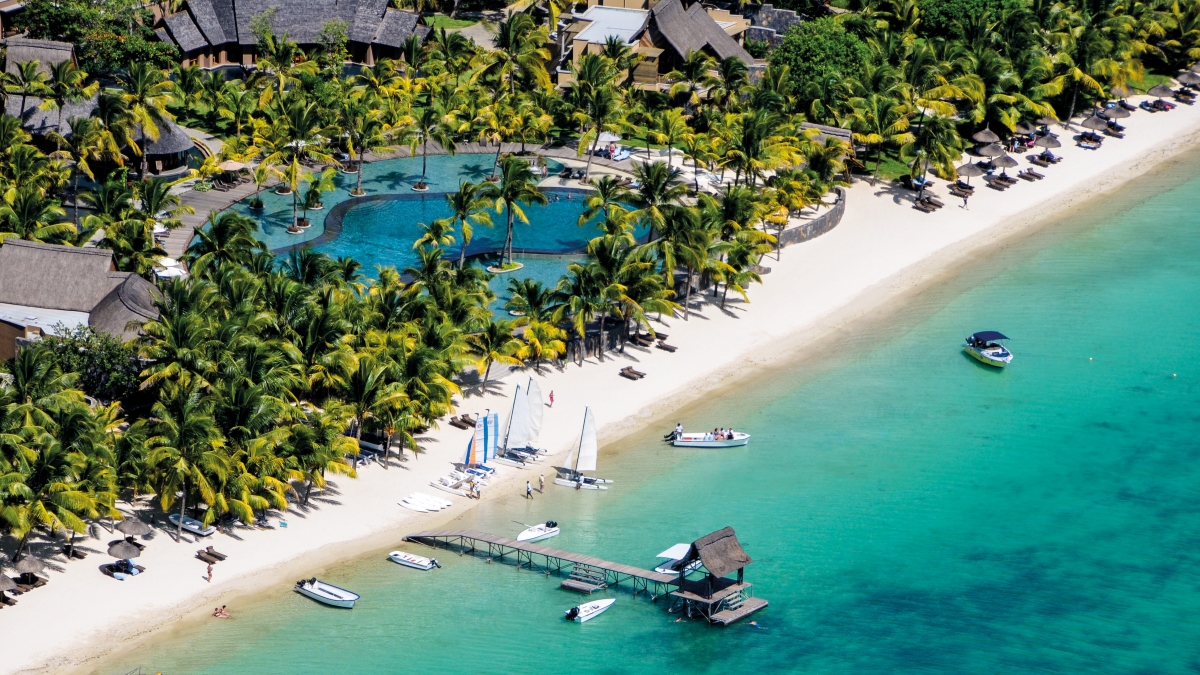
column 581, row 459
column 517, row 448
column 482, row 445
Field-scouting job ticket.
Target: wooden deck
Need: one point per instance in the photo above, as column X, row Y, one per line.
column 728, row 616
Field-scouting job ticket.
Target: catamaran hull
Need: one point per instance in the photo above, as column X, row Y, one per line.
column 575, row 484
column 986, row 359
column 702, row 441
column 447, row 488
column 509, row 462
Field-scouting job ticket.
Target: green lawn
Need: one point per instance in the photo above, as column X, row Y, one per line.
column 444, row 21
column 890, row 168
column 1150, row 80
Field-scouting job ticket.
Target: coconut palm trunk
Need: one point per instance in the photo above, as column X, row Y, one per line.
column 687, row 295
column 424, row 158
column 595, row 142
column 508, row 238
column 182, row 513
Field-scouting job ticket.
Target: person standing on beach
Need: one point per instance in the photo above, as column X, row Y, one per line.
column 551, row 398
column 210, row 574
column 965, row 203
column 528, row 490
column 542, row 483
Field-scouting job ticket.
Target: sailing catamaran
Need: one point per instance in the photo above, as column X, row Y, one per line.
column 482, row 445
column 533, row 396
column 518, row 440
column 582, row 458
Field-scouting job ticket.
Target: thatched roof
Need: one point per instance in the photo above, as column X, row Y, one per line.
column 185, row 32
column 227, row 16
column 687, row 30
column 718, row 40
column 56, row 277
column 171, row 139
column 47, row 52
column 205, row 15
column 824, row 131
column 126, row 308
column 396, row 27
column 37, row 120
column 366, row 20
column 719, row 552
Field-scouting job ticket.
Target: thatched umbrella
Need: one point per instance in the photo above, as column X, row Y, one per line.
column 1116, row 113
column 7, row 584
column 968, row 170
column 1161, row 91
column 1195, row 67
column 1025, row 128
column 986, row 136
column 1047, row 142
column 133, row 527
column 124, row 550
column 1188, row 77
column 1004, row 162
column 1120, row 91
column 1047, row 120
column 30, row 566
column 991, row 150
column 1095, row 123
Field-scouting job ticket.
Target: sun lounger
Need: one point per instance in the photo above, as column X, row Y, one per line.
column 632, row 374
column 933, row 202
column 1024, row 176
column 459, row 424
column 922, row 206
column 466, row 419
column 219, row 556
column 1089, row 145
column 1040, row 161
column 998, row 185
column 666, row 347
column 206, row 558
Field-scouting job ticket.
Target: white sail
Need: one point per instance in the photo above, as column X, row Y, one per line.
column 491, row 435
column 533, row 395
column 586, row 460
column 518, row 422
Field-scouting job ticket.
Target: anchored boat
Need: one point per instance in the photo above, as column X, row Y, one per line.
column 674, row 557
column 414, row 561
column 533, row 533
column 730, row 439
column 326, row 593
column 589, row 610
column 985, row 348
column 582, row 458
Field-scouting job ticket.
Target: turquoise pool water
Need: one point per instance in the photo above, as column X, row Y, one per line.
column 908, row 510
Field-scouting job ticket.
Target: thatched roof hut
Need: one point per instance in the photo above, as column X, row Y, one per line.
column 46, row 52
column 691, row 29
column 720, row 552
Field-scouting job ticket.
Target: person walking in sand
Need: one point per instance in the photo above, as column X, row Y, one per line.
column 528, row 490
column 542, row 483
column 210, row 574
column 965, row 203
column 551, row 398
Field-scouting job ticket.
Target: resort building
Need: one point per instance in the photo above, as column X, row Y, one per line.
column 660, row 34
column 215, row 33
column 44, row 286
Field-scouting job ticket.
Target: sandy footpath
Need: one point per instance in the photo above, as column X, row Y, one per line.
column 882, row 250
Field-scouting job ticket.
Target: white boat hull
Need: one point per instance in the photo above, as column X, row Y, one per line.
column 538, row 533
column 192, row 525
column 699, row 441
column 436, row 502
column 327, row 594
column 997, row 358
column 509, row 462
column 575, row 484
column 414, row 506
column 447, row 488
column 414, row 561
column 589, row 610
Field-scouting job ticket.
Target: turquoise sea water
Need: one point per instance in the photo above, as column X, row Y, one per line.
column 908, row 510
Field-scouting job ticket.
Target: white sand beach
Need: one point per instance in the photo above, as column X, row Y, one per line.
column 883, row 250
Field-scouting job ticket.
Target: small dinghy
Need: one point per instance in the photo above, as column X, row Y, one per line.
column 589, row 610
column 729, row 439
column 985, row 348
column 192, row 525
column 534, row 533
column 674, row 557
column 326, row 593
column 414, row 561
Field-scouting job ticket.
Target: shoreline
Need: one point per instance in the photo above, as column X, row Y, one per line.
column 881, row 256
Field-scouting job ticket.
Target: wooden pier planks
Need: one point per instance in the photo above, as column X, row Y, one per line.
column 728, row 616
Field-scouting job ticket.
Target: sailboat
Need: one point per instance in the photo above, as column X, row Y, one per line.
column 517, row 450
column 533, row 396
column 582, row 458
column 482, row 445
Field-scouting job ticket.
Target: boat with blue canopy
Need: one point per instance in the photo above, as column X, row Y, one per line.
column 985, row 348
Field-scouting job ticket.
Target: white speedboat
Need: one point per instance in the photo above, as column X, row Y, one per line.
column 534, row 533
column 192, row 525
column 674, row 557
column 985, row 348
column 582, row 458
column 707, row 440
column 326, row 593
column 414, row 561
column 589, row 610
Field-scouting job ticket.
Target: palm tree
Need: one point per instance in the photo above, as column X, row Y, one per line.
column 147, row 92
column 369, row 393
column 28, row 80
column 366, row 133
column 66, row 84
column 296, row 134
column 529, row 298
column 543, row 340
column 519, row 50
column 658, row 193
column 186, row 448
column 133, row 245
column 48, row 493
column 228, row 239
column 669, row 128
column 878, row 121
column 317, row 444
column 25, row 213
column 432, row 123
column 494, row 344
column 438, row 233
column 89, row 141
column 517, row 187
column 469, row 209
column 691, row 77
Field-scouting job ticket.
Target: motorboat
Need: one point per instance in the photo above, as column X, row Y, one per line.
column 192, row 525
column 730, row 439
column 589, row 610
column 582, row 458
column 414, row 561
column 534, row 533
column 674, row 557
column 326, row 593
column 985, row 348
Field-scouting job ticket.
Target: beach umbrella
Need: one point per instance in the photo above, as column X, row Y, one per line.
column 970, row 170
column 30, row 566
column 1047, row 142
column 1047, row 120
column 1121, row 91
column 168, row 262
column 609, row 137
column 1005, row 161
column 1095, row 123
column 1116, row 113
column 133, row 527
column 1188, row 77
column 231, row 165
column 124, row 550
column 1195, row 67
column 1025, row 128
column 991, row 150
column 7, row 584
column 1160, row 90
column 986, row 136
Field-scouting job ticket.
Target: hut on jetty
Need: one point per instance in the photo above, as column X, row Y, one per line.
column 717, row 598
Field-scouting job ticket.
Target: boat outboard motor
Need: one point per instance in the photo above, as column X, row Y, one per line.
column 572, row 613
column 434, row 562
column 551, row 523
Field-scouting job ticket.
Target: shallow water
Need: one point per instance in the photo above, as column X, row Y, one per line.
column 908, row 510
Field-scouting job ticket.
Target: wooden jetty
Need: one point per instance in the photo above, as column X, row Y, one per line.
column 587, row 574
column 718, row 600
